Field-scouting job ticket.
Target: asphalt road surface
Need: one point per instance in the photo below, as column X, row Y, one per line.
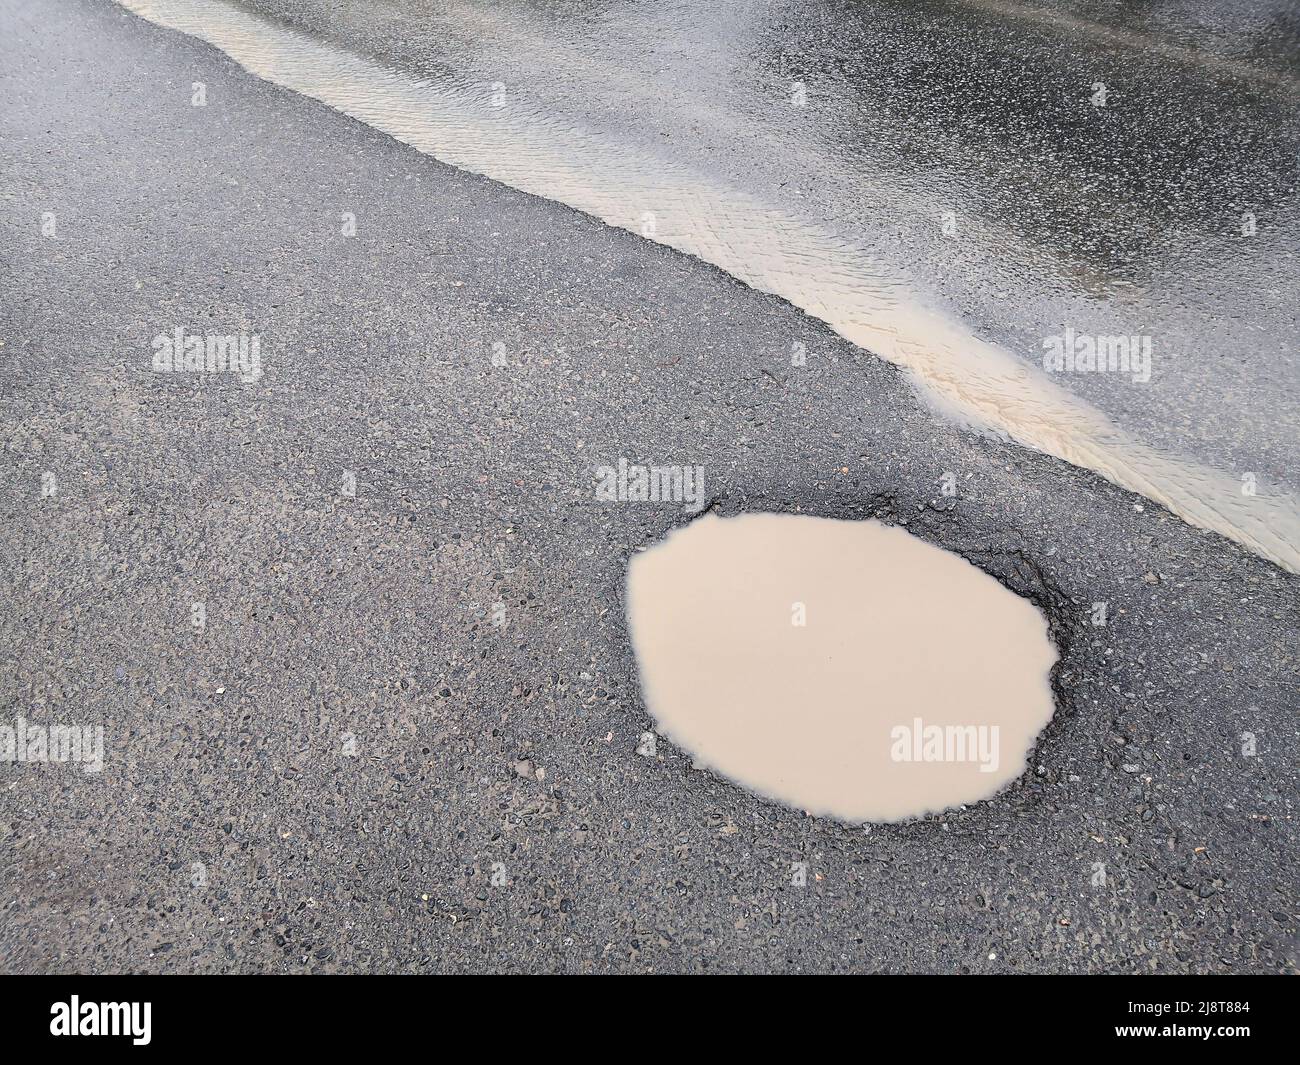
column 1113, row 168
column 358, row 762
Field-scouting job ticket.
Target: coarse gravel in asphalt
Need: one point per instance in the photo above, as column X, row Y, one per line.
column 353, row 767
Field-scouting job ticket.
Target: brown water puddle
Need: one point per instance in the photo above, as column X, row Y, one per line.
column 845, row 668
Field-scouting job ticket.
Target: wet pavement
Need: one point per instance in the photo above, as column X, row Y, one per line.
column 407, row 735
column 1026, row 167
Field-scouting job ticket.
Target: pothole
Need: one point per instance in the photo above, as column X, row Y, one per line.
column 845, row 668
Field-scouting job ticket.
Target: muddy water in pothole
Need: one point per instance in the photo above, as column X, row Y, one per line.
column 845, row 668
